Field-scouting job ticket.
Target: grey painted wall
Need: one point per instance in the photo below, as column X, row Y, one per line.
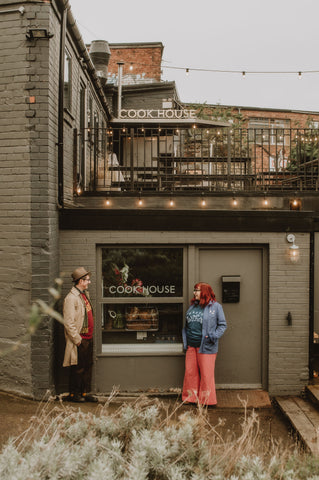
column 288, row 290
column 15, row 203
column 29, row 233
column 29, row 220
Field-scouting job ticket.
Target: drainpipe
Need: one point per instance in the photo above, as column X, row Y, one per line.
column 61, row 107
column 311, row 303
column 119, row 90
column 228, row 157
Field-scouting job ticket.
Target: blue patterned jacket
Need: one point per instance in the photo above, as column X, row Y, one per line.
column 214, row 326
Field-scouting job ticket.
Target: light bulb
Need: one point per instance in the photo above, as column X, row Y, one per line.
column 203, row 201
column 187, row 72
column 294, row 253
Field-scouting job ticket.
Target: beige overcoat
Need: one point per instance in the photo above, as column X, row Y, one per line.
column 73, row 315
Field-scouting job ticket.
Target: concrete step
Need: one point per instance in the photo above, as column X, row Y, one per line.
column 304, row 417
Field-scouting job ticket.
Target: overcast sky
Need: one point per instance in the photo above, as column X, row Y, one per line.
column 240, row 35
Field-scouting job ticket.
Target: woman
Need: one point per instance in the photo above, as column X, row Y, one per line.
column 205, row 324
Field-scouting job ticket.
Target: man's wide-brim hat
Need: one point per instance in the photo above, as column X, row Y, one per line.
column 79, row 273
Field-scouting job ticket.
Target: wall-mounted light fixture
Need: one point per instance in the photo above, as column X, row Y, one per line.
column 295, row 204
column 36, row 33
column 78, row 189
column 171, row 202
column 108, row 201
column 293, row 249
column 140, row 201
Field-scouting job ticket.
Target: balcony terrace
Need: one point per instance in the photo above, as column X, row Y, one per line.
column 130, row 158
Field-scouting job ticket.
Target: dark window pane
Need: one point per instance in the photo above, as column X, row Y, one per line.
column 148, row 272
column 128, row 323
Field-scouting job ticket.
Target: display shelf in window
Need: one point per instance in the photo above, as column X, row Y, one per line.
column 141, row 318
column 161, row 322
column 114, row 319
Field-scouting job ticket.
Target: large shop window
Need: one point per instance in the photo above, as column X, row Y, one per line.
column 142, row 298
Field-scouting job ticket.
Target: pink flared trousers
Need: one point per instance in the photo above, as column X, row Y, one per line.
column 199, row 379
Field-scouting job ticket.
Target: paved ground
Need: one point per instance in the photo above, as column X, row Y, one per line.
column 16, row 414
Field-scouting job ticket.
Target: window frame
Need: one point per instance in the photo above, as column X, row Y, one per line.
column 67, row 80
column 136, row 348
column 266, row 130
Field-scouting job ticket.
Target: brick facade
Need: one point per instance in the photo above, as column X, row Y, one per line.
column 15, row 200
column 142, row 60
column 29, row 235
column 33, row 249
column 295, row 119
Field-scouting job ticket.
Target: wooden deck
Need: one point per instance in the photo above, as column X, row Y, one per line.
column 304, row 417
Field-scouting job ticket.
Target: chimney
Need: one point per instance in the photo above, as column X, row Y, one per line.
column 100, row 54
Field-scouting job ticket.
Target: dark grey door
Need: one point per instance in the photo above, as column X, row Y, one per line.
column 239, row 360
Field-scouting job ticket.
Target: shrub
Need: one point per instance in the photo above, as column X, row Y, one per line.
column 145, row 441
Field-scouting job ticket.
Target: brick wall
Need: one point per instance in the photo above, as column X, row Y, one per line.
column 30, row 215
column 29, row 233
column 15, row 206
column 297, row 119
column 288, row 290
column 139, row 59
column 43, row 84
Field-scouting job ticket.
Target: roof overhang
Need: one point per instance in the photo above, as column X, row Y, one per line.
column 168, row 122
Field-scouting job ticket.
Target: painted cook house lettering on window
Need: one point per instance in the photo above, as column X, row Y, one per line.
column 142, row 272
column 142, row 295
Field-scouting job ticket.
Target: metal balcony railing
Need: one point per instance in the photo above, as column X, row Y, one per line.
column 205, row 159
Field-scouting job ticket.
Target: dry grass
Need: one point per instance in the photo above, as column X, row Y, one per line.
column 147, row 440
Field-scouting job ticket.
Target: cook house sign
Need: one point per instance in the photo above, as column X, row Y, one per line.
column 154, row 114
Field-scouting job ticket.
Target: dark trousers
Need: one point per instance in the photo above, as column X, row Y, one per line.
column 81, row 374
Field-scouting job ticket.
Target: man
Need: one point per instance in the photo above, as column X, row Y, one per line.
column 78, row 329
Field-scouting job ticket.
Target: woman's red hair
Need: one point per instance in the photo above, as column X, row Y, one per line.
column 206, row 294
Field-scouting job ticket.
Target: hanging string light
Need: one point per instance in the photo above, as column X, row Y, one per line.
column 243, row 72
